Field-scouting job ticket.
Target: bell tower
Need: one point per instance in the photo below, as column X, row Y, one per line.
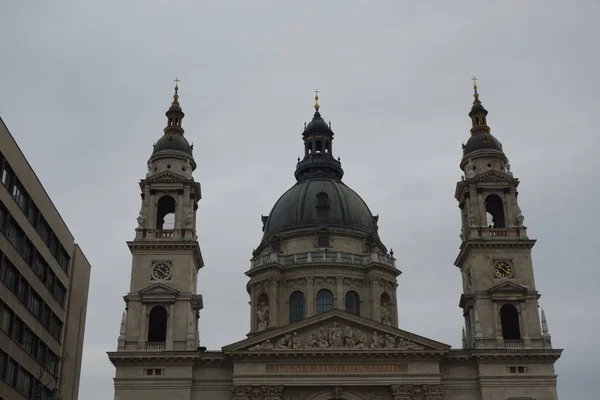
column 499, row 300
column 162, row 306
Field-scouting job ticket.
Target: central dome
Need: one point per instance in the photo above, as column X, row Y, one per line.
column 315, row 202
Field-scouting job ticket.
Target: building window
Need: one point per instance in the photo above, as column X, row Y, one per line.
column 322, row 200
column 7, row 176
column 5, row 318
column 323, row 241
column 509, row 318
column 157, row 325
column 352, row 302
column 324, row 301
column 297, row 307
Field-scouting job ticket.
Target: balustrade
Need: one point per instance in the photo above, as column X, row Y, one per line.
column 155, row 346
column 513, row 344
column 329, row 257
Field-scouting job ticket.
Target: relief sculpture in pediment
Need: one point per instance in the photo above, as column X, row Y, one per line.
column 334, row 337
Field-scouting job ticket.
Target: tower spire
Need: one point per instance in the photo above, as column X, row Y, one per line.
column 174, row 114
column 478, row 112
column 318, row 152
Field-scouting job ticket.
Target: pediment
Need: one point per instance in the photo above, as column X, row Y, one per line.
column 158, row 288
column 336, row 331
column 493, row 176
column 166, row 177
column 508, row 288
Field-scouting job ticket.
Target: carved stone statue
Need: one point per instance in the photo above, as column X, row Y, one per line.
column 149, row 172
column 376, row 341
column 385, row 314
column 141, row 220
column 296, row 341
column 507, row 168
column 284, row 343
column 336, row 336
column 469, row 169
column 520, row 217
column 472, row 218
column 188, row 169
column 333, row 338
column 349, row 336
column 390, row 342
column 263, row 317
column 189, row 219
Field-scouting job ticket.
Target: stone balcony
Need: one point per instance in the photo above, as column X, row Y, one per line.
column 514, row 232
column 165, row 234
column 323, row 257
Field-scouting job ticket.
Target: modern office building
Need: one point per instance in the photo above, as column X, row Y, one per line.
column 44, row 281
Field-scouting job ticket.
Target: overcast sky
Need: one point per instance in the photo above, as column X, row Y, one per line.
column 84, row 87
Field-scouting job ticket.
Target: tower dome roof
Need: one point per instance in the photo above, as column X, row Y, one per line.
column 482, row 140
column 172, row 142
column 314, row 202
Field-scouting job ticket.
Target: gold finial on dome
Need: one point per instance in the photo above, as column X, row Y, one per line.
column 476, row 95
column 176, row 96
column 317, row 106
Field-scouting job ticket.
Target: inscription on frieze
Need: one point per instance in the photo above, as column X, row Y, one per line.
column 346, row 368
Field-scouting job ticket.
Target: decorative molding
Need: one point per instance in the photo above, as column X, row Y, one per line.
column 417, row 392
column 272, row 392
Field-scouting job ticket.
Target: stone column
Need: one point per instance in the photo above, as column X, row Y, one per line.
column 143, row 326
column 525, row 325
column 273, row 303
column 310, row 296
column 151, row 211
column 497, row 326
column 339, row 286
column 170, row 323
column 179, row 217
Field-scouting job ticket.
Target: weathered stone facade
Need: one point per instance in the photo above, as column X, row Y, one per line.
column 324, row 322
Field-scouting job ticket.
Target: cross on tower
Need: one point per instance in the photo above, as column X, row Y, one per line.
column 176, row 80
column 474, row 79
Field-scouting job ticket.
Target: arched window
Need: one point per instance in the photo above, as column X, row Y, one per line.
column 157, row 324
column 495, row 211
column 319, row 146
column 352, row 302
column 324, row 301
column 165, row 213
column 509, row 318
column 297, row 307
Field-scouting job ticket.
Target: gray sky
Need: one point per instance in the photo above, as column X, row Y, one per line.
column 84, row 87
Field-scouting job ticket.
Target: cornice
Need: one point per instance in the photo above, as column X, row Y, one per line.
column 280, row 267
column 167, row 245
column 180, row 357
column 329, row 354
column 468, row 246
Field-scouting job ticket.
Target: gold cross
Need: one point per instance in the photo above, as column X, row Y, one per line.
column 176, row 80
column 474, row 79
column 316, row 92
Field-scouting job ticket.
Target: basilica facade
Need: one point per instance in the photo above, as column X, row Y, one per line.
column 322, row 286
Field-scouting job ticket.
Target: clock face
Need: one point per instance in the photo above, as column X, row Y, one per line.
column 161, row 271
column 502, row 269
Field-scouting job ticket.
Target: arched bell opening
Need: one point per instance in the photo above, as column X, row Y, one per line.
column 157, row 325
column 509, row 319
column 165, row 213
column 494, row 209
